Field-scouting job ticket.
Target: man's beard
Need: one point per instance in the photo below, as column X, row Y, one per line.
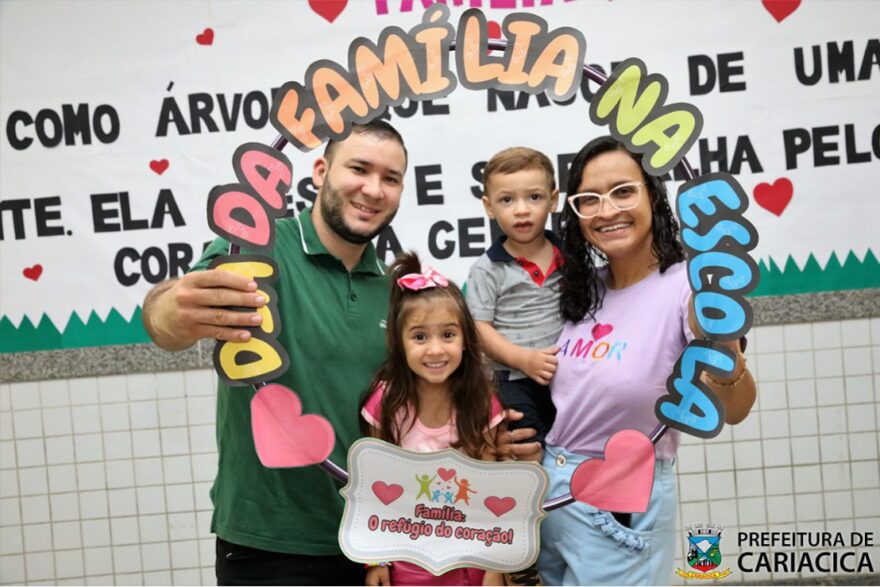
column 331, row 212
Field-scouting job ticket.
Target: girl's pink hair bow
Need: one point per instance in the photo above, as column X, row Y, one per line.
column 426, row 279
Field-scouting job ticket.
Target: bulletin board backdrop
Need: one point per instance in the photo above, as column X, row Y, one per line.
column 119, row 118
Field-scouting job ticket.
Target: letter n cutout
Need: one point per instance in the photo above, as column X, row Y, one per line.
column 631, row 103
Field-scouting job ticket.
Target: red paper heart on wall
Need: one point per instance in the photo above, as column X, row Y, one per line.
column 328, row 9
column 206, row 37
column 774, row 198
column 781, row 9
column 33, row 273
column 494, row 29
column 159, row 166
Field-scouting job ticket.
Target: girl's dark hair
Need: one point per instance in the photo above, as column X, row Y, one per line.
column 470, row 386
column 582, row 289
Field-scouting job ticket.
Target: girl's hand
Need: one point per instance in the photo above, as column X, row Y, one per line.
column 493, row 578
column 378, row 576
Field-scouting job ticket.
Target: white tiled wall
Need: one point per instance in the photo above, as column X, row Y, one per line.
column 105, row 480
column 806, row 459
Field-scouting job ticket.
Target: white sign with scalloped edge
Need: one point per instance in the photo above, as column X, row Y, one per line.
column 440, row 510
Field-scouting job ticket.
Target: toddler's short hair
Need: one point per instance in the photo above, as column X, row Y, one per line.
column 516, row 159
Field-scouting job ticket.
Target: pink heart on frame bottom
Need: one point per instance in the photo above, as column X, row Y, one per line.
column 622, row 481
column 499, row 505
column 284, row 437
column 387, row 493
column 446, row 474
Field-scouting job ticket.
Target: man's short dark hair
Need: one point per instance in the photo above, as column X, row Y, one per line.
column 376, row 127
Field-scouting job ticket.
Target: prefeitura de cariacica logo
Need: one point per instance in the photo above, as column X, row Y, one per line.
column 703, row 552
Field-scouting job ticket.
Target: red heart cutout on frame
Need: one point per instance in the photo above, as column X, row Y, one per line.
column 33, row 273
column 622, row 481
column 328, row 9
column 284, row 437
column 387, row 493
column 600, row 330
column 774, row 198
column 446, row 474
column 159, row 166
column 206, row 37
column 781, row 9
column 499, row 505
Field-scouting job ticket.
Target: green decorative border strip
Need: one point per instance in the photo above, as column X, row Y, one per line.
column 791, row 279
column 45, row 335
column 853, row 274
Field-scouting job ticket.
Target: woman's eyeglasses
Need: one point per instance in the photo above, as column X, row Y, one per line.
column 623, row 197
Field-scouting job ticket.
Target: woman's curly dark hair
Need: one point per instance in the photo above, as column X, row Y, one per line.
column 582, row 289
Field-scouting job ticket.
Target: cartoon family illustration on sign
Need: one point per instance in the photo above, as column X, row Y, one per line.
column 442, row 491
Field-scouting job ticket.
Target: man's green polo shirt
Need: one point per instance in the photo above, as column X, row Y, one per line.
column 333, row 328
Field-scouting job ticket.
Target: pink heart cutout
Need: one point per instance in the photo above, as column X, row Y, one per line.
column 622, row 481
column 446, row 474
column 387, row 493
column 600, row 330
column 499, row 505
column 284, row 437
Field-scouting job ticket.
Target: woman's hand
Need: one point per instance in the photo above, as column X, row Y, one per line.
column 738, row 392
column 509, row 445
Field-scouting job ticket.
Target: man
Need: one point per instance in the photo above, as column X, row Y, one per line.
column 279, row 526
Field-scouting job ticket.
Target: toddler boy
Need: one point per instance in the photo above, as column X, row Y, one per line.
column 513, row 289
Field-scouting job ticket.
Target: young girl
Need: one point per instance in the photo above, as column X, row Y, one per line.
column 432, row 392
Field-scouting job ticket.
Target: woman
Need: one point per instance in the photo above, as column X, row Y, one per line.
column 626, row 299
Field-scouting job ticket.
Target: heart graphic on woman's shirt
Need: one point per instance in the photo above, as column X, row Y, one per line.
column 600, row 330
column 283, row 436
column 622, row 481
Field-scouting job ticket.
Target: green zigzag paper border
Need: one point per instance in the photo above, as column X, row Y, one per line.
column 790, row 279
column 813, row 278
column 93, row 332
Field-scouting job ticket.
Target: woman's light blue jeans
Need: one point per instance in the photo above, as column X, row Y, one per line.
column 581, row 545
